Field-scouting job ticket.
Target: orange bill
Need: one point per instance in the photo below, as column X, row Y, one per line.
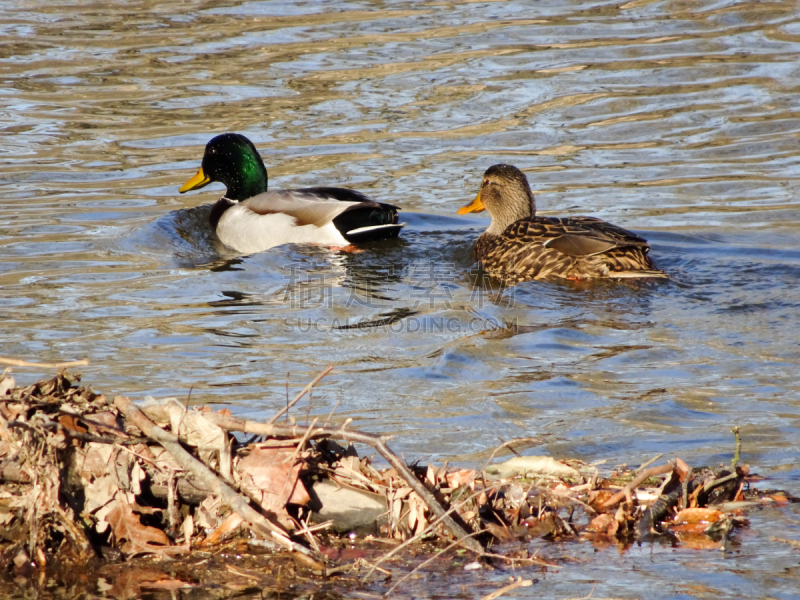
column 476, row 206
column 196, row 182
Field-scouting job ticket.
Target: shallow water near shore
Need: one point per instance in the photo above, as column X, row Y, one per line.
column 676, row 120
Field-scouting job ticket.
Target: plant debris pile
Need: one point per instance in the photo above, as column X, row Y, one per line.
column 83, row 478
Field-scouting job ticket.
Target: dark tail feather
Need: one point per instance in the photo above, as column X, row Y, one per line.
column 368, row 223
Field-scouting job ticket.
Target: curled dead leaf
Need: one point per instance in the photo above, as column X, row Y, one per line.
column 133, row 537
column 698, row 515
column 601, row 523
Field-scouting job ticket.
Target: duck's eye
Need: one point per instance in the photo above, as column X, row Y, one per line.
column 212, row 150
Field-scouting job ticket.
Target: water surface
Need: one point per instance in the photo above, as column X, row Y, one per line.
column 675, row 119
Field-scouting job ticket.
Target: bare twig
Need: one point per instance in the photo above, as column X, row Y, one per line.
column 424, row 532
column 715, row 482
column 520, row 582
column 15, row 362
column 646, row 474
column 377, row 442
column 738, row 452
column 335, row 406
column 302, row 393
column 85, row 437
column 205, row 477
column 646, row 464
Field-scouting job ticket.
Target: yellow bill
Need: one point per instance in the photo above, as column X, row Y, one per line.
column 196, row 182
column 476, row 206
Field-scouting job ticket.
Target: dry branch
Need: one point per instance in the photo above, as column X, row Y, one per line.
column 646, row 474
column 520, row 582
column 15, row 362
column 424, row 532
column 205, row 477
column 376, row 441
column 302, row 393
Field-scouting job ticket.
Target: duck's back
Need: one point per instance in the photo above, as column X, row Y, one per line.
column 572, row 247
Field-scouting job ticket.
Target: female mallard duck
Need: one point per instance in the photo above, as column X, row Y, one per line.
column 519, row 246
column 250, row 219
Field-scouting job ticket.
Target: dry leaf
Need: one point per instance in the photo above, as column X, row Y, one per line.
column 71, row 422
column 207, row 514
column 402, row 492
column 193, row 428
column 105, row 422
column 270, row 475
column 93, row 460
column 163, row 459
column 598, row 497
column 432, row 475
column 349, row 469
column 412, row 516
column 418, row 507
column 188, row 531
column 601, row 523
column 698, row 515
column 6, row 384
column 99, row 493
column 456, row 479
column 228, row 526
column 134, row 538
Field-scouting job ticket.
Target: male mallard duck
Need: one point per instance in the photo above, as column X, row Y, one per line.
column 519, row 246
column 250, row 219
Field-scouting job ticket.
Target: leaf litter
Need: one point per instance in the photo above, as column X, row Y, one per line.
column 123, row 500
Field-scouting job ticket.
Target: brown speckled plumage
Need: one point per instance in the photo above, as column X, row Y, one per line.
column 519, row 246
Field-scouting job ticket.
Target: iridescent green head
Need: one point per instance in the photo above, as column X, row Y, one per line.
column 233, row 160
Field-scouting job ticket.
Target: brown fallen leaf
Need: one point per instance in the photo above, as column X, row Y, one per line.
column 698, row 515
column 548, row 525
column 105, row 422
column 598, row 497
column 6, row 384
column 601, row 523
column 229, row 525
column 134, row 538
column 71, row 422
column 270, row 476
column 501, row 533
column 458, row 478
column 779, row 497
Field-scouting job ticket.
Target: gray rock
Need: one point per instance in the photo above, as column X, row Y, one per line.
column 351, row 509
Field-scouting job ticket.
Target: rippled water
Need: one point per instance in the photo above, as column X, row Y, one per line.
column 675, row 119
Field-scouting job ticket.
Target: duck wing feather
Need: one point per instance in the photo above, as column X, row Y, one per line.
column 310, row 206
column 574, row 236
